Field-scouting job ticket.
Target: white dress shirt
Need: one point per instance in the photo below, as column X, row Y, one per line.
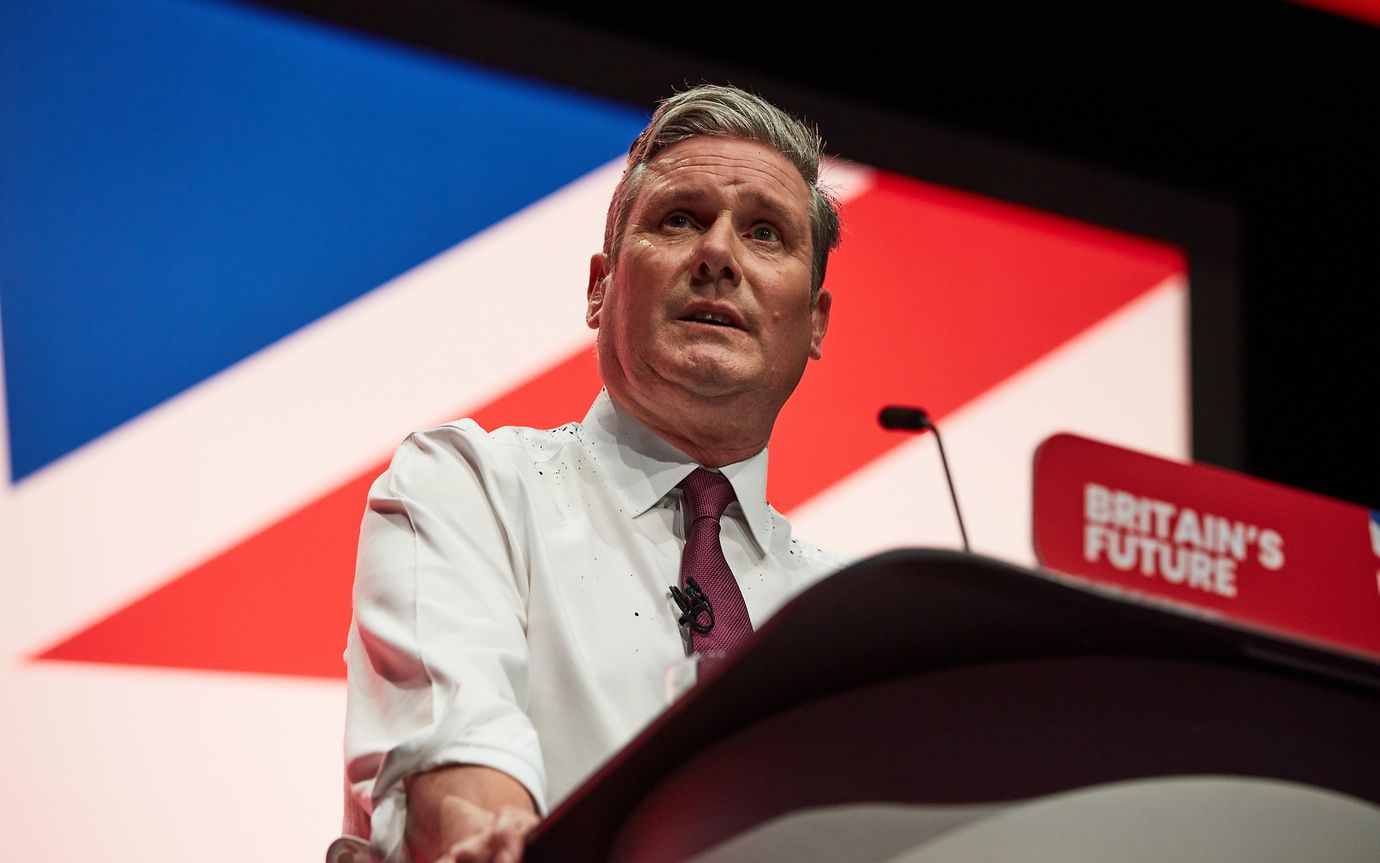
column 512, row 606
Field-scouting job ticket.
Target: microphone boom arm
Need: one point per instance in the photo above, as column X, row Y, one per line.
column 916, row 420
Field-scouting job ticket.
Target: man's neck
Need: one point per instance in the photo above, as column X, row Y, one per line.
column 713, row 436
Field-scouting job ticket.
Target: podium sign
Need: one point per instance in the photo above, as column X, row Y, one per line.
column 1237, row 548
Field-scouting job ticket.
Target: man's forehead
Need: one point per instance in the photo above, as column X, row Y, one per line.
column 705, row 167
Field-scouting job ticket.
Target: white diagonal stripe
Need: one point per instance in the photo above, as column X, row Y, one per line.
column 1124, row 381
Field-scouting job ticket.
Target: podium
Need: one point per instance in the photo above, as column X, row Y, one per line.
column 951, row 687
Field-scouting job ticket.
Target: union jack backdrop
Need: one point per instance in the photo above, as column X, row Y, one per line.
column 242, row 256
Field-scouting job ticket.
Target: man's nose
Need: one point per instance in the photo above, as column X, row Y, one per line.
column 716, row 256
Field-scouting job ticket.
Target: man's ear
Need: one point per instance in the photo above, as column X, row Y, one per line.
column 819, row 322
column 599, row 275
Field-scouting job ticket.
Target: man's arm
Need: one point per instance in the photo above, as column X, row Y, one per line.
column 437, row 651
column 467, row 814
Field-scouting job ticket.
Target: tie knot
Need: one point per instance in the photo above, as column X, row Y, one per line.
column 706, row 493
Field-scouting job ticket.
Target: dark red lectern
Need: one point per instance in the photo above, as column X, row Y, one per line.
column 947, row 680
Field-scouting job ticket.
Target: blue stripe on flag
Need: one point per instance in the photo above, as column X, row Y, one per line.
column 183, row 183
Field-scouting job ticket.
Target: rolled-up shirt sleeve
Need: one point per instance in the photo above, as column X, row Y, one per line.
column 437, row 652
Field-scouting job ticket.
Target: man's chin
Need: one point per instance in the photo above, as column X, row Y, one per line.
column 711, row 380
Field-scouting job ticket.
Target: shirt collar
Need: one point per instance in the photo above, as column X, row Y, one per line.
column 642, row 468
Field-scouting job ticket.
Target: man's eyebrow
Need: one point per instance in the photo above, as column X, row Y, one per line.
column 775, row 205
column 668, row 195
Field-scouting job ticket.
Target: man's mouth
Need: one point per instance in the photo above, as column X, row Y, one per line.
column 713, row 314
column 709, row 318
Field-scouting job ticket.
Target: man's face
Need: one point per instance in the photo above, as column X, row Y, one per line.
column 711, row 294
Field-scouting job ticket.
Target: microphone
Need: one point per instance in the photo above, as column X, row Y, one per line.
column 898, row 418
column 692, row 603
column 901, row 418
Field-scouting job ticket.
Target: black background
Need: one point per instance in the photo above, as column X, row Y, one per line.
column 1245, row 130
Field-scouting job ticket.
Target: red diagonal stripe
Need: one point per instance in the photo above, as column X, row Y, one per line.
column 279, row 602
column 939, row 296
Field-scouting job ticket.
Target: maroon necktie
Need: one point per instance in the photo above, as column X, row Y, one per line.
column 707, row 495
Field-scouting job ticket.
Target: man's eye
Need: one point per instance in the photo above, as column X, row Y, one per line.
column 678, row 220
column 765, row 233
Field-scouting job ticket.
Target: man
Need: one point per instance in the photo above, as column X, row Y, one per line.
column 514, row 618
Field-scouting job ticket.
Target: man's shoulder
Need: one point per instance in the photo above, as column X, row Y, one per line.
column 466, row 438
column 806, row 554
column 448, row 458
column 815, row 556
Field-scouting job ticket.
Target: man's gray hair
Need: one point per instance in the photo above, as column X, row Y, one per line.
column 727, row 112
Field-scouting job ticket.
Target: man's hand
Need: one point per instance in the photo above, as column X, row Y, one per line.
column 467, row 814
column 493, row 837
